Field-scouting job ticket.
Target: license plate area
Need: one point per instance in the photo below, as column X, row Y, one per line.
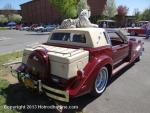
column 29, row 83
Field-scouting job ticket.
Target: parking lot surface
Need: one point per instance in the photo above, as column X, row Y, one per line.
column 128, row 91
column 13, row 40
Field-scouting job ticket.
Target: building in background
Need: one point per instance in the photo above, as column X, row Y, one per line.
column 41, row 11
column 12, row 11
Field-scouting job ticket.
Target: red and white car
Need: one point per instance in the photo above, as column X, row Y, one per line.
column 77, row 61
column 138, row 30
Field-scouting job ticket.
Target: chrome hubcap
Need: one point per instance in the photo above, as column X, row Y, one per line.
column 101, row 80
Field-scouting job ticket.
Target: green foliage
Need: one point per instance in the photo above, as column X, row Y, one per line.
column 66, row 7
column 4, row 28
column 15, row 17
column 5, row 59
column 82, row 4
column 3, row 19
column 3, row 84
column 110, row 9
column 146, row 14
column 137, row 14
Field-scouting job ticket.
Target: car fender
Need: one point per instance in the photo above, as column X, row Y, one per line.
column 90, row 72
column 99, row 62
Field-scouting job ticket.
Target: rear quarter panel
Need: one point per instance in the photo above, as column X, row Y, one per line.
column 99, row 57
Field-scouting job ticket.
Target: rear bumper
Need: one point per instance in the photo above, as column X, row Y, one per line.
column 53, row 93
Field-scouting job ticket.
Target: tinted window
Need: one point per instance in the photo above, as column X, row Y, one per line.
column 60, row 36
column 78, row 38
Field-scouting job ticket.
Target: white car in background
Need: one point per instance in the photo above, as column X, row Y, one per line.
column 25, row 28
column 49, row 28
column 39, row 28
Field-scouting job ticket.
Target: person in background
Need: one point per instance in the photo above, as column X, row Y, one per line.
column 133, row 25
column 148, row 30
column 104, row 25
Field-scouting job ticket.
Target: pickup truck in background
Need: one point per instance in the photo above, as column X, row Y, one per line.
column 77, row 61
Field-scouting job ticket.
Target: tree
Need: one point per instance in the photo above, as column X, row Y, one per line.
column 3, row 19
column 15, row 17
column 146, row 14
column 82, row 4
column 122, row 10
column 137, row 14
column 68, row 8
column 7, row 10
column 110, row 9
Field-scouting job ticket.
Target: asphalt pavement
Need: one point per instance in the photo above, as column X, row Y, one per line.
column 13, row 40
column 128, row 91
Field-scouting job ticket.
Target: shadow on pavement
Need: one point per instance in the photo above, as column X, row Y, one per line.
column 17, row 94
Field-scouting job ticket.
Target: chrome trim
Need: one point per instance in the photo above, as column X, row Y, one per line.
column 38, row 85
column 64, row 93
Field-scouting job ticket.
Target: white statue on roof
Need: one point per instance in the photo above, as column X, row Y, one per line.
column 81, row 22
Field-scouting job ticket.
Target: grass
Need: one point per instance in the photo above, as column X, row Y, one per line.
column 16, row 94
column 3, row 83
column 7, row 58
column 4, row 28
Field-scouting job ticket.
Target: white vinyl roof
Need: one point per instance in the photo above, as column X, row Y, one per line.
column 94, row 36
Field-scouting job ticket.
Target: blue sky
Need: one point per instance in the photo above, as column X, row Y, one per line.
column 131, row 4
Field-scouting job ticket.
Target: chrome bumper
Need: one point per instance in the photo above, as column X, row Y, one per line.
column 53, row 93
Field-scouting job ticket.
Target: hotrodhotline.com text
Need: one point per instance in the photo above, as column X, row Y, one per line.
column 44, row 107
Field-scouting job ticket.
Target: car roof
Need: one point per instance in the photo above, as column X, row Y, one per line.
column 89, row 29
column 92, row 35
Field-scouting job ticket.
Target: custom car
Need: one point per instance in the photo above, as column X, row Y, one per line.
column 137, row 31
column 77, row 61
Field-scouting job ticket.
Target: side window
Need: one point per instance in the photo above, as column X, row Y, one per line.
column 107, row 38
column 68, row 37
column 60, row 36
column 79, row 38
column 115, row 39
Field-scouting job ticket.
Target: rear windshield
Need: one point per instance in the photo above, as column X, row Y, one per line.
column 69, row 37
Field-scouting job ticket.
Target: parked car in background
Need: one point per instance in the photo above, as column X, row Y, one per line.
column 139, row 30
column 49, row 28
column 38, row 28
column 26, row 28
column 32, row 27
column 77, row 61
column 109, row 23
column 136, row 31
column 19, row 26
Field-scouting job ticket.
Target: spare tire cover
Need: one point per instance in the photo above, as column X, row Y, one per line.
column 38, row 65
